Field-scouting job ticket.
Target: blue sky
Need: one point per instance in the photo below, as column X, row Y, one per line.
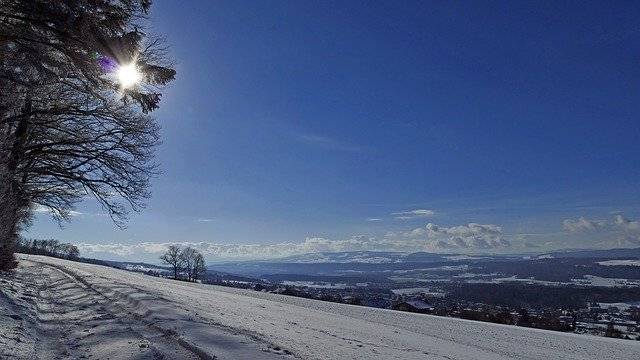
column 306, row 126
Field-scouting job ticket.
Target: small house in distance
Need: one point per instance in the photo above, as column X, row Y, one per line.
column 414, row 305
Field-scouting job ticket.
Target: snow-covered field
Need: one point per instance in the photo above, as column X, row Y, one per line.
column 631, row 262
column 417, row 290
column 54, row 308
column 593, row 280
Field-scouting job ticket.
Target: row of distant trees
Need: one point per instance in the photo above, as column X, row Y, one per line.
column 185, row 262
column 48, row 247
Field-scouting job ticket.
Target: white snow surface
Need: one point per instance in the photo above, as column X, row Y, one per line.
column 203, row 321
column 417, row 290
column 631, row 262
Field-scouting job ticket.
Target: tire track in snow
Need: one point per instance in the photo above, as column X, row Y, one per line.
column 169, row 336
column 147, row 314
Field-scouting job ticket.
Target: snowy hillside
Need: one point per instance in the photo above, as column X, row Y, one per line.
column 55, row 308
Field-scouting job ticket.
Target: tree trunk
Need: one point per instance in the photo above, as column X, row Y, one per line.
column 12, row 203
column 8, row 222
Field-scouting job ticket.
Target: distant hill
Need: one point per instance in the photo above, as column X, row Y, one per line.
column 373, row 257
column 367, row 257
column 610, row 253
column 165, row 270
column 425, row 257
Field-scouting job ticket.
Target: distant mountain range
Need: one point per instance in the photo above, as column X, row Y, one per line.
column 386, row 257
column 370, row 257
column 361, row 262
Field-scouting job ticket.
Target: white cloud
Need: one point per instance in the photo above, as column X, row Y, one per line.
column 628, row 231
column 204, row 220
column 468, row 238
column 583, row 225
column 254, row 251
column 626, row 224
column 413, row 214
column 415, row 233
column 464, row 238
column 39, row 209
column 373, row 219
column 471, row 237
column 619, row 231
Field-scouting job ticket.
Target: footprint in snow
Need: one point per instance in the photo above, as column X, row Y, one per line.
column 277, row 350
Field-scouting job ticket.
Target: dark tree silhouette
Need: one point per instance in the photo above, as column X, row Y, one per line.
column 199, row 266
column 193, row 262
column 68, row 127
column 173, row 258
column 49, row 247
column 187, row 261
column 188, row 256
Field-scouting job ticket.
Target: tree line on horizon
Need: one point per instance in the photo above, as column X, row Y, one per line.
column 187, row 262
column 48, row 247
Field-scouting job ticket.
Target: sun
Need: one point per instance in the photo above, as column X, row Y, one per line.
column 128, row 75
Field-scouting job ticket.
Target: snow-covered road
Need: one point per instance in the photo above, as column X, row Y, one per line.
column 206, row 321
column 47, row 312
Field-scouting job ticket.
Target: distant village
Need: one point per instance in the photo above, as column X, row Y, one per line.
column 595, row 319
column 599, row 319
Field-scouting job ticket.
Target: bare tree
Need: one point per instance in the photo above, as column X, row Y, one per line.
column 173, row 258
column 188, row 256
column 69, row 252
column 188, row 261
column 68, row 127
column 199, row 266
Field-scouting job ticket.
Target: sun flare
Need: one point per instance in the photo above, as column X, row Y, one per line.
column 128, row 75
